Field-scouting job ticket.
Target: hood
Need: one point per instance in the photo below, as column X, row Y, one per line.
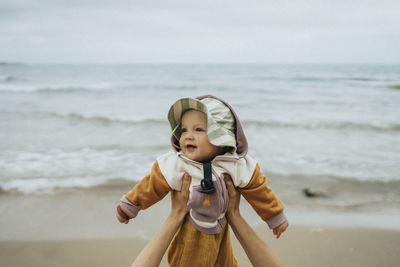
column 241, row 141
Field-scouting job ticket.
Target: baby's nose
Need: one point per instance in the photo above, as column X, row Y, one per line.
column 190, row 135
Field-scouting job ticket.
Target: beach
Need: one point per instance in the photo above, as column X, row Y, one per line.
column 78, row 228
column 75, row 138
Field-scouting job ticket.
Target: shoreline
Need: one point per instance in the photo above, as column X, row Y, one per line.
column 299, row 246
column 92, row 211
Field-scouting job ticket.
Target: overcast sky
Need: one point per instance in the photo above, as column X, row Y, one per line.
column 206, row 31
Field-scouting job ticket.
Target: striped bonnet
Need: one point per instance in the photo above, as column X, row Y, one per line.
column 220, row 120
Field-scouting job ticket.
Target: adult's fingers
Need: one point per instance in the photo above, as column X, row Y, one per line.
column 229, row 185
column 186, row 182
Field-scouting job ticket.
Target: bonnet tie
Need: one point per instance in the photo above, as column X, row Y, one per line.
column 207, row 186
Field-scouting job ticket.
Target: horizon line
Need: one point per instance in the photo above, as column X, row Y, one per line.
column 5, row 63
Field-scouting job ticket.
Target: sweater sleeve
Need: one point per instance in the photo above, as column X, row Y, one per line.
column 151, row 189
column 263, row 199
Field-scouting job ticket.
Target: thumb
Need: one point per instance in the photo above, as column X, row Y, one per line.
column 229, row 185
column 186, row 182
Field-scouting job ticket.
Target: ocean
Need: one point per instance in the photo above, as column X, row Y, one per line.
column 332, row 128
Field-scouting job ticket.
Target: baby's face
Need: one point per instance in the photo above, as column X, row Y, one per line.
column 194, row 142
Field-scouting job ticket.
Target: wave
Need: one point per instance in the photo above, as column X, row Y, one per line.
column 394, row 127
column 344, row 180
column 8, row 79
column 395, row 86
column 312, row 78
column 362, row 79
column 103, row 120
column 330, row 186
column 107, row 121
column 31, row 89
column 125, row 148
column 51, row 186
column 74, row 89
column 115, row 164
column 295, row 79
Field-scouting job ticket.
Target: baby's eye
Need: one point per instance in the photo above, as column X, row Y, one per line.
column 183, row 130
column 199, row 130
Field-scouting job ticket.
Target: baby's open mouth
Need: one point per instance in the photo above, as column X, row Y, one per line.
column 191, row 147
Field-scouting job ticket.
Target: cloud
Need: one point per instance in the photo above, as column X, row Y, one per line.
column 199, row 31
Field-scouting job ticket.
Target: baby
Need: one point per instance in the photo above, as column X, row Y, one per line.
column 208, row 142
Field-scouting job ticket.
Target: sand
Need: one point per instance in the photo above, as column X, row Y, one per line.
column 79, row 229
column 301, row 246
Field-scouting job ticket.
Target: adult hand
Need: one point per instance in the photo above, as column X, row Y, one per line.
column 234, row 197
column 258, row 252
column 152, row 254
column 179, row 199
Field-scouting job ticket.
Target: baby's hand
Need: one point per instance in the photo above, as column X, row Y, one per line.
column 121, row 216
column 280, row 229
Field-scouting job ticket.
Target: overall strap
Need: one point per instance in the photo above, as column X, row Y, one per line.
column 207, row 186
